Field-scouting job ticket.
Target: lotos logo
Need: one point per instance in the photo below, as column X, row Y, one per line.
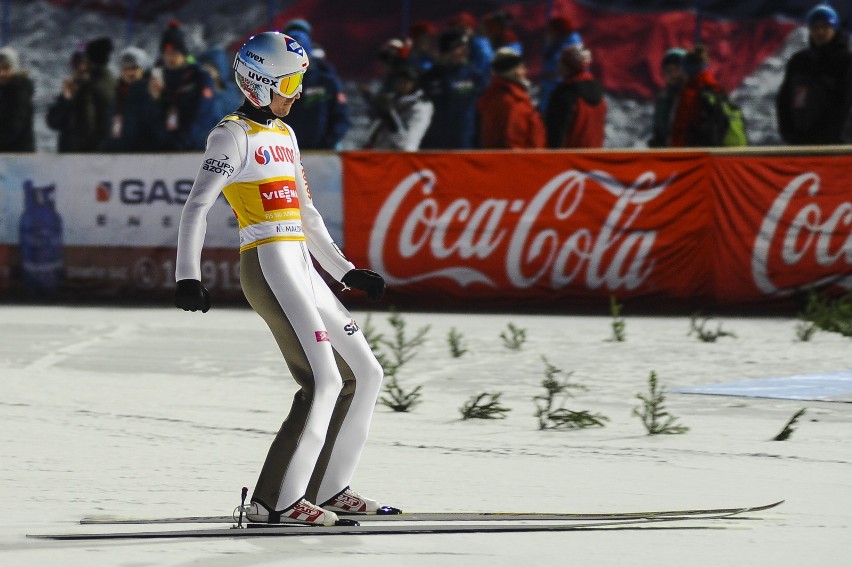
column 268, row 154
column 801, row 230
column 279, row 195
column 322, row 336
column 553, row 237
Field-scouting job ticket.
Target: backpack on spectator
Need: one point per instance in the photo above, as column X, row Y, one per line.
column 722, row 121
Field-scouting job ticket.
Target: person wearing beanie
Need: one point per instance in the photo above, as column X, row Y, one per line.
column 673, row 80
column 576, row 112
column 322, row 115
column 184, row 94
column 560, row 34
column 453, row 86
column 507, row 117
column 81, row 112
column 133, row 118
column 423, row 36
column 16, row 105
column 814, row 101
column 687, row 129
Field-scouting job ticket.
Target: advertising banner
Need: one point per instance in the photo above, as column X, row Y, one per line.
column 781, row 226
column 80, row 226
column 510, row 228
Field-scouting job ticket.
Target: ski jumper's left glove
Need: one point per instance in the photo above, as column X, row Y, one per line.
column 367, row 281
column 190, row 295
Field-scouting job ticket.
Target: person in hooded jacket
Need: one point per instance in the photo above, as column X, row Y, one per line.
column 815, row 97
column 400, row 118
column 508, row 119
column 576, row 112
column 322, row 116
column 688, row 124
column 16, row 105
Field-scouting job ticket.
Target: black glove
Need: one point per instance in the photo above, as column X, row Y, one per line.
column 190, row 295
column 367, row 281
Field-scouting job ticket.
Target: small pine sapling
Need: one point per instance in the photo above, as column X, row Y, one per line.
column 515, row 338
column 484, row 406
column 550, row 409
column 618, row 324
column 834, row 316
column 653, row 414
column 706, row 335
column 805, row 330
column 401, row 348
column 454, row 339
column 788, row 429
column 398, row 399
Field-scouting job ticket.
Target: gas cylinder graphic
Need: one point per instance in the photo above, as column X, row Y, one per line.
column 40, row 241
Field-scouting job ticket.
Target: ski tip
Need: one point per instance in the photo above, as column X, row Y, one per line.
column 388, row 511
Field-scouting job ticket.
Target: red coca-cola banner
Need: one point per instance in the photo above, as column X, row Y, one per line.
column 531, row 228
column 782, row 225
column 502, row 229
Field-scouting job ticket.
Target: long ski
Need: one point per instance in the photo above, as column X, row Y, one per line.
column 457, row 516
column 291, row 530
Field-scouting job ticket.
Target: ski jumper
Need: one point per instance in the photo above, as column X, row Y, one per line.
column 258, row 168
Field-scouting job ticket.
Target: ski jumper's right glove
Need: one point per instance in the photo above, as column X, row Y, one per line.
column 367, row 281
column 190, row 295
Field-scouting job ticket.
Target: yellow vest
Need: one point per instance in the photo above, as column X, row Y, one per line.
column 264, row 195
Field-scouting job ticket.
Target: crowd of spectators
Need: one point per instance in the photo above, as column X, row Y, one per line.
column 461, row 85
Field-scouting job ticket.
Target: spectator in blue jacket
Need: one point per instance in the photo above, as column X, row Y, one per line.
column 479, row 50
column 321, row 118
column 423, row 35
column 227, row 97
column 453, row 86
column 560, row 34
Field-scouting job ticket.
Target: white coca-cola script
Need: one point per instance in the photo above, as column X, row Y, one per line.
column 828, row 236
column 613, row 254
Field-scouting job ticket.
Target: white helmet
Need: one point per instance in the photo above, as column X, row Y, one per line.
column 270, row 61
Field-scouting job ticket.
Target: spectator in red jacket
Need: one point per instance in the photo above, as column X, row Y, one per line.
column 576, row 112
column 689, row 110
column 508, row 118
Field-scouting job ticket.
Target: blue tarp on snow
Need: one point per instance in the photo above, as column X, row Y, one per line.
column 824, row 386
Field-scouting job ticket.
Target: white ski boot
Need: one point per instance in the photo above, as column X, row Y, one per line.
column 347, row 501
column 302, row 512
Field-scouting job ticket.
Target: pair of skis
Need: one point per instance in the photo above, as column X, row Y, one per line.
column 418, row 523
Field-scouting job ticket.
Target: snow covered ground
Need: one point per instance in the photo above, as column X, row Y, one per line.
column 157, row 412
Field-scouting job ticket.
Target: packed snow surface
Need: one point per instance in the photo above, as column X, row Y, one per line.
column 157, row 412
